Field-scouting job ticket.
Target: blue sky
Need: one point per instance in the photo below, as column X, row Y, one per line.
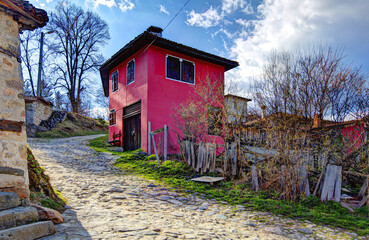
column 242, row 30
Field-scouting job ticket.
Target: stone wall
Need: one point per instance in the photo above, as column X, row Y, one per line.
column 37, row 111
column 13, row 150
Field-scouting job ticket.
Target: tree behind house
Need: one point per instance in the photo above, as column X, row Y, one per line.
column 78, row 38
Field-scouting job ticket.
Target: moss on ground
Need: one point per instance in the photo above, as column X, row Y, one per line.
column 41, row 190
column 177, row 175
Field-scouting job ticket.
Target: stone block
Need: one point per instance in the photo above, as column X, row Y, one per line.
column 17, row 216
column 45, row 213
column 28, row 232
column 8, row 200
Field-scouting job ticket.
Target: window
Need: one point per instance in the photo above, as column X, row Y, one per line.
column 114, row 81
column 112, row 117
column 181, row 70
column 131, row 72
column 214, row 120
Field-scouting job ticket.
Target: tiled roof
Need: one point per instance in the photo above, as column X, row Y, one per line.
column 25, row 13
column 149, row 38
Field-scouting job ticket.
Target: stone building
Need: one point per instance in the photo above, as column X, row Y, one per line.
column 37, row 109
column 15, row 16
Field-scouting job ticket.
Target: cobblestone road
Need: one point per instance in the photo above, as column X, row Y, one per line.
column 104, row 203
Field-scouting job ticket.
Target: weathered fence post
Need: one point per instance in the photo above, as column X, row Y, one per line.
column 165, row 142
column 254, row 174
column 149, row 139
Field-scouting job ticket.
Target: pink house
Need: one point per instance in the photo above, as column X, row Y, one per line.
column 147, row 79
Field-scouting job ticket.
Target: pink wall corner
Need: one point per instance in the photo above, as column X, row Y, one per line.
column 165, row 94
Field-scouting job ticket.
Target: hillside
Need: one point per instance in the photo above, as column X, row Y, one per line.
column 76, row 125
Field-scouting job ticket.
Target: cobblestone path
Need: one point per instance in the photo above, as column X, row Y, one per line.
column 104, row 203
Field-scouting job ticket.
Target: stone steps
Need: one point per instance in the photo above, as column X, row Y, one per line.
column 28, row 232
column 17, row 216
column 8, row 200
column 21, row 222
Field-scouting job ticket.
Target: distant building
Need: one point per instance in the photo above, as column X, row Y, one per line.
column 236, row 108
column 147, row 78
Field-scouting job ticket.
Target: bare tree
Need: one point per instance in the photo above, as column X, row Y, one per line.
column 29, row 47
column 78, row 38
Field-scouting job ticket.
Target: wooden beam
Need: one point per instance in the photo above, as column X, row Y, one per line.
column 11, row 126
column 11, row 171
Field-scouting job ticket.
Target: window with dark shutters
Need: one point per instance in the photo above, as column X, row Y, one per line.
column 131, row 72
column 112, row 117
column 114, row 81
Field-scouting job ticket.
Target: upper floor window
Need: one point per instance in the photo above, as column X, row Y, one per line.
column 114, row 81
column 131, row 72
column 112, row 117
column 181, row 70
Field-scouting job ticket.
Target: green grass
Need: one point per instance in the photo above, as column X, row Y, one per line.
column 79, row 126
column 177, row 175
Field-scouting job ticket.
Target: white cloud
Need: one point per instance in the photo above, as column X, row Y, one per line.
column 207, row 19
column 126, row 5
column 229, row 6
column 108, row 3
column 163, row 10
column 288, row 24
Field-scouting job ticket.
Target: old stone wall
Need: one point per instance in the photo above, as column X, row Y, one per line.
column 13, row 150
column 37, row 111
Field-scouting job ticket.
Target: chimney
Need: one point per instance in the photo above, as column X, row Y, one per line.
column 317, row 122
column 263, row 111
column 155, row 30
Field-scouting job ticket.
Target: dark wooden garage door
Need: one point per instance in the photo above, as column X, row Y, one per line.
column 132, row 127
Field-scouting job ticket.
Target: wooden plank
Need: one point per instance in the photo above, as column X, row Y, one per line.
column 213, row 157
column 356, row 173
column 149, row 140
column 156, row 152
column 324, row 194
column 225, row 160
column 338, row 183
column 208, row 157
column 207, row 179
column 11, row 171
column 157, row 131
column 199, row 157
column 254, row 175
column 165, row 142
column 362, row 202
column 234, row 158
column 347, row 206
column 363, row 188
column 331, row 182
column 193, row 158
column 10, row 126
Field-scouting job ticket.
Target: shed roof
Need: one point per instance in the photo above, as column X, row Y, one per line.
column 149, row 37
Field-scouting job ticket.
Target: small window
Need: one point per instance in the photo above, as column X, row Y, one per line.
column 112, row 117
column 214, row 120
column 181, row 70
column 173, row 68
column 114, row 81
column 187, row 71
column 131, row 72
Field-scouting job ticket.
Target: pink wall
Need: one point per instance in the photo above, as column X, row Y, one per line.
column 353, row 137
column 127, row 95
column 159, row 95
column 165, row 94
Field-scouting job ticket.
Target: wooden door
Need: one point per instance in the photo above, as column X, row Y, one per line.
column 132, row 127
